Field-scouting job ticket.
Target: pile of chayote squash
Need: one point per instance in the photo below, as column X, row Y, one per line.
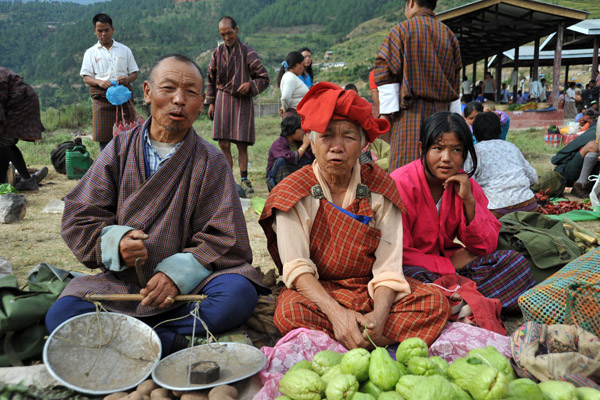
column 484, row 374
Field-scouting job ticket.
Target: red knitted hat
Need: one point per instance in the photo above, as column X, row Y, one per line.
column 326, row 101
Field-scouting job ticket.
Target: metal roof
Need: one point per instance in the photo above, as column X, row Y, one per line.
column 578, row 36
column 546, row 57
column 489, row 27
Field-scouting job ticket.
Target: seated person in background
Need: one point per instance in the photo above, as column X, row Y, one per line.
column 581, row 113
column 289, row 152
column 470, row 112
column 443, row 203
column 586, row 121
column 333, row 230
column 520, row 97
column 377, row 152
column 502, row 172
column 577, row 161
column 593, row 107
column 504, row 119
column 161, row 194
column 19, row 120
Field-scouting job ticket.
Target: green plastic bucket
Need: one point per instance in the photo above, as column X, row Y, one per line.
column 77, row 162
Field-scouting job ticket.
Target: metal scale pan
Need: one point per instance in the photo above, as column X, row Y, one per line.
column 236, row 362
column 102, row 353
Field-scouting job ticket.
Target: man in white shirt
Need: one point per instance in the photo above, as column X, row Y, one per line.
column 466, row 85
column 106, row 61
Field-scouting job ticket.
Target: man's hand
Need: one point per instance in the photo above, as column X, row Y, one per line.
column 105, row 84
column 244, row 88
column 131, row 247
column 462, row 257
column 211, row 111
column 123, row 80
column 281, row 111
column 347, row 328
column 159, row 290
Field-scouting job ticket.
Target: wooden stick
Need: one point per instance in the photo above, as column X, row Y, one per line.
column 139, row 297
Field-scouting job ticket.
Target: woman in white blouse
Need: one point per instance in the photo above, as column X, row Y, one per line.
column 292, row 87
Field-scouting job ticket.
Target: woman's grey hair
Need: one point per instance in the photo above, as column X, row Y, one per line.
column 363, row 136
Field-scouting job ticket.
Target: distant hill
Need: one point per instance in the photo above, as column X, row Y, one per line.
column 45, row 41
column 60, row 1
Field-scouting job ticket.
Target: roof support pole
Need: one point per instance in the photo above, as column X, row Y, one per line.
column 536, row 60
column 595, row 58
column 557, row 63
column 566, row 77
column 485, row 67
column 515, row 87
column 498, row 77
column 474, row 74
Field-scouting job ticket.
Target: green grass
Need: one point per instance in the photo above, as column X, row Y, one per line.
column 531, row 143
column 267, row 130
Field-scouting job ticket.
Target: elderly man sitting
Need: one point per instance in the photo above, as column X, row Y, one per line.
column 161, row 194
column 334, row 229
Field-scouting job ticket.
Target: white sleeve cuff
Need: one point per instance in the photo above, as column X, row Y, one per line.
column 110, row 237
column 389, row 98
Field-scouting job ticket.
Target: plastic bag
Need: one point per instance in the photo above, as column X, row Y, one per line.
column 299, row 344
column 7, row 188
column 117, row 94
column 573, row 127
column 595, row 193
column 123, row 125
column 457, row 339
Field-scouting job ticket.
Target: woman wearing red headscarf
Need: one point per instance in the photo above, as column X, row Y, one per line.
column 334, row 229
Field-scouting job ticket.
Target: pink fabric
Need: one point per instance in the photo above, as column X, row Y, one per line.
column 457, row 339
column 299, row 344
column 428, row 234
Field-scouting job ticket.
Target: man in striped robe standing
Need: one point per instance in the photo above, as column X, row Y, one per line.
column 235, row 75
column 159, row 214
column 418, row 68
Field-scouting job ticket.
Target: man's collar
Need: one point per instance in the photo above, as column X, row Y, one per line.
column 114, row 44
column 236, row 43
column 423, row 11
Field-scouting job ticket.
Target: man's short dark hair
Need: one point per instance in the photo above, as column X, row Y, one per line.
column 178, row 57
column 102, row 18
column 486, row 126
column 231, row 21
column 431, row 4
column 351, row 86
